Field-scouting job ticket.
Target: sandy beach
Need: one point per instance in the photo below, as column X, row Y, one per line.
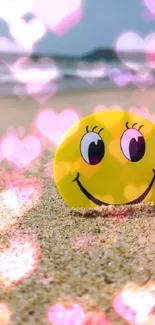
column 80, row 258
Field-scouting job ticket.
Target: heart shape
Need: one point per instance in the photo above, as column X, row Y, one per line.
column 91, row 71
column 120, row 78
column 19, row 260
column 57, row 15
column 21, row 153
column 32, row 31
column 26, row 70
column 11, row 10
column 144, row 112
column 54, row 126
column 8, row 46
column 59, row 315
column 143, row 80
column 134, row 303
column 18, row 197
column 150, row 4
column 41, row 91
column 37, row 76
column 142, row 55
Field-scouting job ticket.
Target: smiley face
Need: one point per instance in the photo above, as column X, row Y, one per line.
column 107, row 158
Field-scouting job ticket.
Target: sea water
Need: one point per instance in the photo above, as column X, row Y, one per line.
column 66, row 75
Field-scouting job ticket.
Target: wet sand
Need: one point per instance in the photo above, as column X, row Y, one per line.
column 86, row 256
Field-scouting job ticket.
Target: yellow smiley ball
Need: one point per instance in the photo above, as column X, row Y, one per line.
column 107, row 158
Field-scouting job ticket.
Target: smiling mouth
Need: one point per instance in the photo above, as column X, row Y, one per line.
column 99, row 202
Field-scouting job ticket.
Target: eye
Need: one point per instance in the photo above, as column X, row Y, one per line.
column 92, row 148
column 133, row 144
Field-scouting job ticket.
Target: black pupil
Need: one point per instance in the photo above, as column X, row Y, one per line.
column 137, row 148
column 96, row 152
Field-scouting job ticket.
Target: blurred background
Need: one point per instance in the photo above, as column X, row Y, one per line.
column 80, row 43
column 61, row 60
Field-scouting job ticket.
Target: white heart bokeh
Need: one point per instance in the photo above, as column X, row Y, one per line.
column 141, row 50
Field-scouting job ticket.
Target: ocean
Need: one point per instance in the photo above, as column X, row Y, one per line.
column 20, row 76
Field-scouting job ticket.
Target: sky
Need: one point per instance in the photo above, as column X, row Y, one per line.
column 102, row 22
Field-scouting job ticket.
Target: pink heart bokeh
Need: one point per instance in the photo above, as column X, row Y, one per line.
column 54, row 126
column 57, row 15
column 26, row 70
column 32, row 31
column 134, row 304
column 19, row 260
column 143, row 80
column 21, row 153
column 41, row 91
column 91, row 71
column 59, row 315
column 18, row 197
column 133, row 43
column 144, row 112
column 120, row 78
column 12, row 10
column 150, row 4
column 38, row 77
